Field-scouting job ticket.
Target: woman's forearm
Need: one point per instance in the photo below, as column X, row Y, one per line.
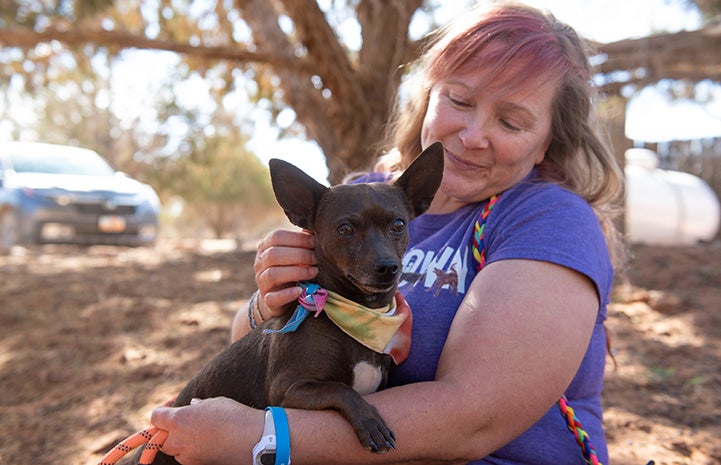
column 428, row 419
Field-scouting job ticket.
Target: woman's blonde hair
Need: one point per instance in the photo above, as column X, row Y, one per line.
column 538, row 47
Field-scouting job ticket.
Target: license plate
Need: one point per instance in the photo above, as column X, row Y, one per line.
column 111, row 224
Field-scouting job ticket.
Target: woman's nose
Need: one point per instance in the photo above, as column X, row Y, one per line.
column 474, row 135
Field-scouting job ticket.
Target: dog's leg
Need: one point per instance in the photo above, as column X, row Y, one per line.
column 368, row 424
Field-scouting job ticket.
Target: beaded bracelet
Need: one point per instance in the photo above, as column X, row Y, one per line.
column 253, row 309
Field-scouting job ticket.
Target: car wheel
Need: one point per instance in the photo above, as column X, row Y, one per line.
column 8, row 230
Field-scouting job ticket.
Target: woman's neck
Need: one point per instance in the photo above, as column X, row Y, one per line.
column 443, row 204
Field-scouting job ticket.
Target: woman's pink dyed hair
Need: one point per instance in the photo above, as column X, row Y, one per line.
column 537, row 48
column 507, row 36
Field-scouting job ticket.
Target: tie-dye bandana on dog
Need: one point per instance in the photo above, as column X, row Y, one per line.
column 385, row 330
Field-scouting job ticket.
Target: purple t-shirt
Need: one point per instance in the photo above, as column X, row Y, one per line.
column 535, row 221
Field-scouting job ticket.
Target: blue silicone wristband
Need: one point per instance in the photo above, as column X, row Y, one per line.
column 282, row 436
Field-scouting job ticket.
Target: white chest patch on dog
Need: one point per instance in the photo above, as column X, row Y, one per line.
column 366, row 378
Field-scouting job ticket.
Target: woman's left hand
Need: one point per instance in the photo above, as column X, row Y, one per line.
column 210, row 431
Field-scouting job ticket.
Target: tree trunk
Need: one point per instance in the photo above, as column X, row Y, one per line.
column 342, row 103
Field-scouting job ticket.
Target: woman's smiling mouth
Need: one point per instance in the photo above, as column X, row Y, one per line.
column 460, row 163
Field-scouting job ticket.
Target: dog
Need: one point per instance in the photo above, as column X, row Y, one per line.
column 361, row 235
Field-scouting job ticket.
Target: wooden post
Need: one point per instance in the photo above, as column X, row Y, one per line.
column 612, row 114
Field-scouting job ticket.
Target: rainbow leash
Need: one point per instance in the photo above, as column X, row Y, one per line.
column 576, row 428
column 479, row 232
column 572, row 422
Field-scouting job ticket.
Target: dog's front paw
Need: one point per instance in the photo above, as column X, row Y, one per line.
column 375, row 435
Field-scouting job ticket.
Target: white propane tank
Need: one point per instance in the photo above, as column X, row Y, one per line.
column 667, row 207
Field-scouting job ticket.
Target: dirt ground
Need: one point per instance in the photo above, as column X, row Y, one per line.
column 91, row 339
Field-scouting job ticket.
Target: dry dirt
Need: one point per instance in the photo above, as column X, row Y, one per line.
column 91, row 339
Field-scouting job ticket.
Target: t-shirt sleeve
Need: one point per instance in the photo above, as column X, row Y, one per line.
column 549, row 223
column 367, row 177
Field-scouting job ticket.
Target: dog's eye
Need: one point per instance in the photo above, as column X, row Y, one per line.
column 399, row 226
column 345, row 230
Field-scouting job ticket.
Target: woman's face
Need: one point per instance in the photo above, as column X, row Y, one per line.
column 492, row 137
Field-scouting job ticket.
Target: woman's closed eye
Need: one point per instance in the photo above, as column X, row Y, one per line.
column 515, row 118
column 510, row 125
column 458, row 102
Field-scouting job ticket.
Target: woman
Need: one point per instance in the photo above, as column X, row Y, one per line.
column 527, row 196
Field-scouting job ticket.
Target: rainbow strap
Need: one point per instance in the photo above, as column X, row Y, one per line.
column 576, row 428
column 479, row 231
column 572, row 422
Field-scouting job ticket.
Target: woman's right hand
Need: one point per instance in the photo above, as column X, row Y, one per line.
column 284, row 258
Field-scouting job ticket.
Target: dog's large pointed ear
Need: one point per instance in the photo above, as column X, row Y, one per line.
column 421, row 179
column 297, row 193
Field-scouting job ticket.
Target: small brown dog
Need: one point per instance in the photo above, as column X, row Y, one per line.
column 361, row 235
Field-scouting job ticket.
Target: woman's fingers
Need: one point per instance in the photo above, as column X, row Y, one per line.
column 283, row 247
column 207, row 431
column 288, row 238
column 275, row 303
column 279, row 267
column 284, row 258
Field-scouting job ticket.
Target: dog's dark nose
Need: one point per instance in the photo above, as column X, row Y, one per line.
column 386, row 269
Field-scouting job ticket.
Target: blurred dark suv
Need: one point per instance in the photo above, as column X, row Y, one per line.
column 62, row 194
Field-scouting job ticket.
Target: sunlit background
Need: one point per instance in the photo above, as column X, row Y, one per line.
column 652, row 115
column 167, row 107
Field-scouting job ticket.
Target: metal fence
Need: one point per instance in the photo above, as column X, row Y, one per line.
column 700, row 157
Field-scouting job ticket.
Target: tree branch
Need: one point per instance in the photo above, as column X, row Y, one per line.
column 694, row 55
column 384, row 25
column 299, row 92
column 322, row 45
column 25, row 38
